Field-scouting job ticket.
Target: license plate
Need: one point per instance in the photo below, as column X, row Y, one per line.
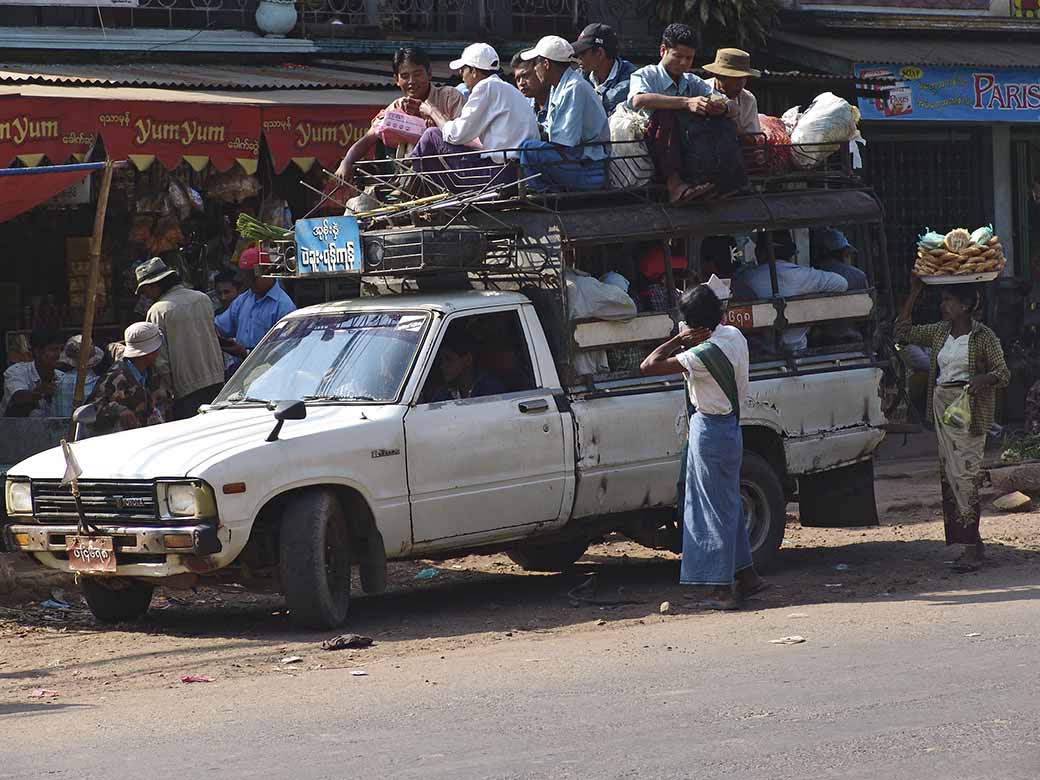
column 90, row 553
column 740, row 317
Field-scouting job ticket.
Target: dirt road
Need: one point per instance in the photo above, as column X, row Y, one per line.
column 482, row 601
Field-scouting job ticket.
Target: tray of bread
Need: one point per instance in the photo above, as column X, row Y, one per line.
column 959, row 257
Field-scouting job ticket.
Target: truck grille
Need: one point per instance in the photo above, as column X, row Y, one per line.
column 106, row 501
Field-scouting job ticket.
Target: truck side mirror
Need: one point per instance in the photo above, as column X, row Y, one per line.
column 83, row 415
column 286, row 410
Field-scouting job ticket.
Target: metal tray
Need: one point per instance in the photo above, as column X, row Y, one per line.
column 986, row 276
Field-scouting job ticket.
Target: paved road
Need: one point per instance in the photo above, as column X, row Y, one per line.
column 889, row 688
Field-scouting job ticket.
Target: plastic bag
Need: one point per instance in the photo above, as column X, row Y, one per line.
column 827, row 124
column 633, row 166
column 982, row 236
column 930, row 239
column 958, row 414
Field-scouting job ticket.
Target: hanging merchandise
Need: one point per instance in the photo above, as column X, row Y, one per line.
column 233, row 186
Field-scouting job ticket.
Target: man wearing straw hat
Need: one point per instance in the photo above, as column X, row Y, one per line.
column 731, row 70
column 190, row 363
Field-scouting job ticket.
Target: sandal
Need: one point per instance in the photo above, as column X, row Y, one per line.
column 689, row 192
column 754, row 590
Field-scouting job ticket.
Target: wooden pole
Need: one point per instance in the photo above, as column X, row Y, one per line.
column 87, row 344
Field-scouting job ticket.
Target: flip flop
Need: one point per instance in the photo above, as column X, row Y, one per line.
column 719, row 605
column 760, row 586
column 691, row 192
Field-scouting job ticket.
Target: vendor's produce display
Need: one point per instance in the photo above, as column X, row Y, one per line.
column 959, row 254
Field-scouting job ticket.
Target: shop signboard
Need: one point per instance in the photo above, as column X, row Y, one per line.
column 328, row 245
column 952, row 94
column 32, row 129
column 304, row 134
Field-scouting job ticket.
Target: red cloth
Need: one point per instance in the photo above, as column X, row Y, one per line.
column 23, row 192
column 665, row 142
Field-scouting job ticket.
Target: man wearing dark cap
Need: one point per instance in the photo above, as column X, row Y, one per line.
column 597, row 49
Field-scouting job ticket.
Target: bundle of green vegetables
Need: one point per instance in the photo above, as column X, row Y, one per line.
column 251, row 228
column 1020, row 449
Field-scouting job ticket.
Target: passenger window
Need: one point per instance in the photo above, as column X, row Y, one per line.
column 480, row 355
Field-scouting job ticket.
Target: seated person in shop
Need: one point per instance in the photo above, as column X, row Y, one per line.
column 668, row 93
column 412, row 72
column 129, row 396
column 756, row 284
column 530, row 86
column 253, row 313
column 731, row 71
column 496, row 116
column 68, row 367
column 459, row 374
column 29, row 387
column 834, row 253
column 597, row 49
column 573, row 157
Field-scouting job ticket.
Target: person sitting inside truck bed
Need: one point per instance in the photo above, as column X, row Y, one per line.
column 460, row 376
column 574, row 156
column 792, row 279
column 412, row 72
column 664, row 92
column 834, row 253
column 496, row 116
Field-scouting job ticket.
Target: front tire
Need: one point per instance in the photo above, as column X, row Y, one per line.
column 117, row 600
column 315, row 560
column 558, row 556
column 765, row 508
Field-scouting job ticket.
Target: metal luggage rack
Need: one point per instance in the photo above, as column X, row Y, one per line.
column 827, row 164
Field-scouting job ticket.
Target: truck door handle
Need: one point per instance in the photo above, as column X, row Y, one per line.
column 530, row 407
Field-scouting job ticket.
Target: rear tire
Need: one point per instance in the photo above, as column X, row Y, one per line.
column 548, row 557
column 315, row 560
column 118, row 600
column 765, row 507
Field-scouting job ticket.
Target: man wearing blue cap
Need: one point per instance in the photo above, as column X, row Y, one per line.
column 834, row 253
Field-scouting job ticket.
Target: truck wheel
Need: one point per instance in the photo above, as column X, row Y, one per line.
column 765, row 508
column 116, row 600
column 315, row 560
column 548, row 557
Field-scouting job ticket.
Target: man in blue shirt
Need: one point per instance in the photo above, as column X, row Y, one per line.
column 597, row 49
column 834, row 253
column 253, row 313
column 662, row 92
column 574, row 156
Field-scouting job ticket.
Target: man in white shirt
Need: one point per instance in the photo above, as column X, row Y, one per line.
column 496, row 116
column 29, row 387
column 731, row 71
column 792, row 280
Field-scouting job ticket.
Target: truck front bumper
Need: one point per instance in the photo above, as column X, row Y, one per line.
column 131, row 543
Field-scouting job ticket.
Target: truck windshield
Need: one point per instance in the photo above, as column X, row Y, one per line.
column 350, row 356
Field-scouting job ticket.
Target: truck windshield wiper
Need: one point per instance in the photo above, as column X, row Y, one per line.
column 241, row 399
column 339, row 398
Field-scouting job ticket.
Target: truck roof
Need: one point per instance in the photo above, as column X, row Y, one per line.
column 445, row 302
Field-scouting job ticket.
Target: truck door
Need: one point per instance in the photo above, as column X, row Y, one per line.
column 485, row 442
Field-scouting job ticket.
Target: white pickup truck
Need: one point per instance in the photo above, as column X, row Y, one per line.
column 425, row 425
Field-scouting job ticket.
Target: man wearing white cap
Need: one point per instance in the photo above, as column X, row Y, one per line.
column 573, row 157
column 129, row 396
column 496, row 116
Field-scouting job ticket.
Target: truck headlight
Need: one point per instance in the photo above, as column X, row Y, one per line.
column 19, row 497
column 186, row 499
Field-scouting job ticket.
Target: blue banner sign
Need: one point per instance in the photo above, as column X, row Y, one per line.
column 328, row 245
column 923, row 93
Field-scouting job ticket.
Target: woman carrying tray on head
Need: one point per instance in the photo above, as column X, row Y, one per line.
column 964, row 354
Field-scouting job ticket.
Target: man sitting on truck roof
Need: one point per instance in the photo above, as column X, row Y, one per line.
column 731, row 71
column 530, row 86
column 792, row 279
column 574, row 156
column 663, row 92
column 597, row 48
column 496, row 116
column 412, row 72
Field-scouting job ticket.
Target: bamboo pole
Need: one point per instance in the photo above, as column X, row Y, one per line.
column 87, row 344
